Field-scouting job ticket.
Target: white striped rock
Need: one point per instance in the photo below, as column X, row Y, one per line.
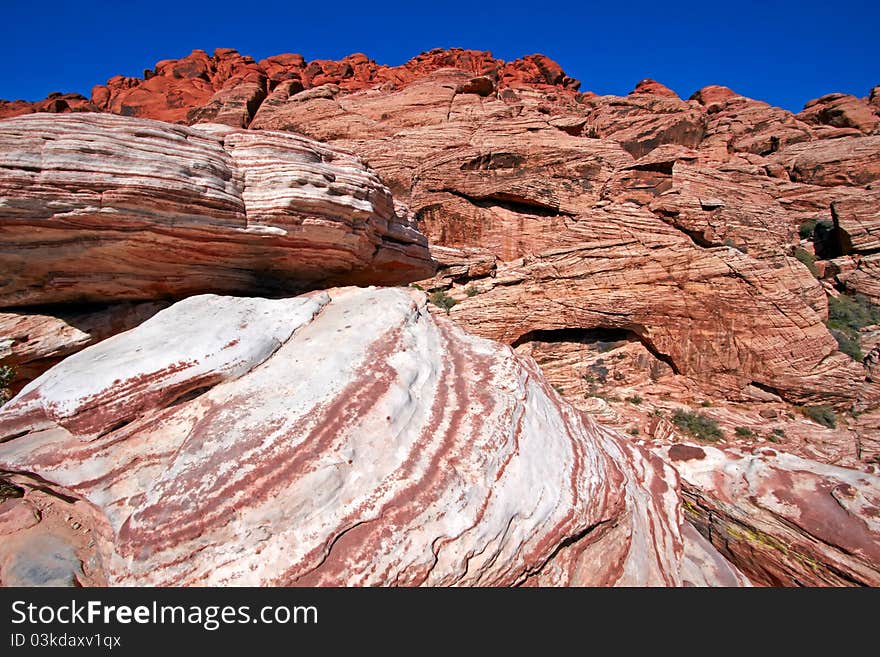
column 103, row 208
column 783, row 520
column 32, row 341
column 346, row 437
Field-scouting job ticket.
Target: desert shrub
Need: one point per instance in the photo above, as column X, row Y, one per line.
column 846, row 316
column 806, row 229
column 472, row 291
column 851, row 313
column 697, row 424
column 7, row 373
column 850, row 346
column 635, row 399
column 823, row 415
column 744, row 432
column 808, row 259
column 813, row 228
column 442, row 300
column 600, row 371
column 779, row 432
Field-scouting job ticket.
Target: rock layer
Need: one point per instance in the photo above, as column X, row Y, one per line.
column 102, row 208
column 35, row 340
column 388, row 447
column 783, row 520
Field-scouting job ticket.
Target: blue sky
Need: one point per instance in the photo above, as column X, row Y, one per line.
column 782, row 52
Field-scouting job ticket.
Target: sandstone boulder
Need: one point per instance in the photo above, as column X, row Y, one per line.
column 387, row 448
column 783, row 520
column 103, row 208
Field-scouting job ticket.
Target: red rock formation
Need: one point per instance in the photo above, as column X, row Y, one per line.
column 653, row 88
column 842, row 111
column 55, row 103
column 388, row 448
column 103, row 208
column 858, row 220
column 227, row 87
column 847, row 161
column 679, row 228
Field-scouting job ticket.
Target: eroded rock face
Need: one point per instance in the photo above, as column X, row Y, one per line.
column 842, row 111
column 605, row 272
column 783, row 520
column 388, row 447
column 54, row 103
column 228, row 87
column 103, row 208
column 845, row 161
column 671, row 229
column 34, row 340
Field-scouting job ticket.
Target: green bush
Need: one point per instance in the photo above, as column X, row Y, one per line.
column 806, row 229
column 779, row 432
column 808, row 259
column 472, row 291
column 442, row 300
column 823, row 415
column 745, row 432
column 810, row 228
column 635, row 399
column 7, row 373
column 850, row 346
column 846, row 316
column 698, row 425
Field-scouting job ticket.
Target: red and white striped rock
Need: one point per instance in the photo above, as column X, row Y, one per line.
column 783, row 520
column 345, row 437
column 31, row 341
column 103, row 208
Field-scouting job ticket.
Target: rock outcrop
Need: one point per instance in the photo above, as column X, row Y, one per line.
column 663, row 260
column 842, row 111
column 32, row 341
column 227, row 87
column 102, row 208
column 783, row 520
column 388, row 447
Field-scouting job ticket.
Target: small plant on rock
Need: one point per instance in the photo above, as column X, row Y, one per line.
column 7, row 373
column 847, row 315
column 698, row 425
column 442, row 300
column 823, row 415
column 808, row 259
